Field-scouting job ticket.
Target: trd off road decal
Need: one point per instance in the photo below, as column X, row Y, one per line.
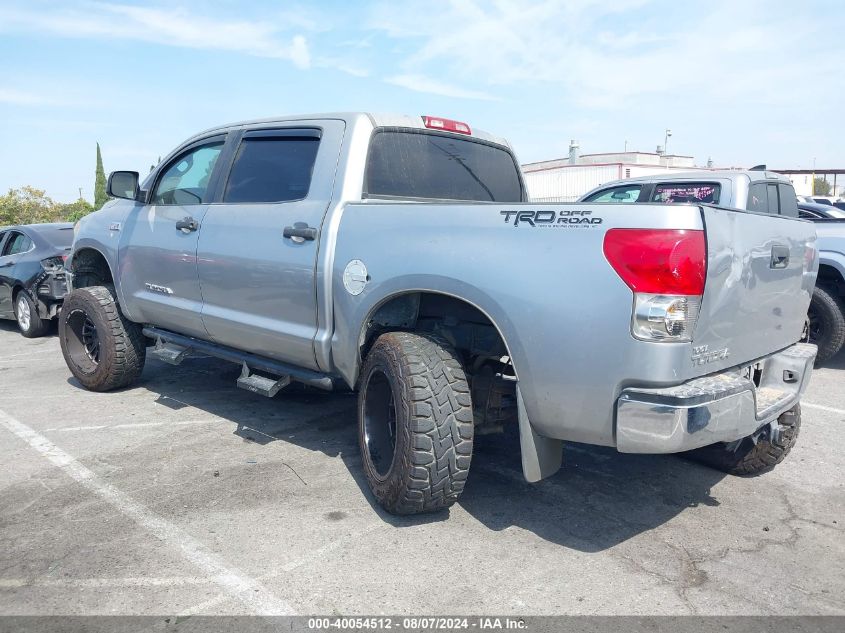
column 568, row 218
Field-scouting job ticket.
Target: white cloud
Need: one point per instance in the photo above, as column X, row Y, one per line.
column 170, row 27
column 606, row 54
column 420, row 83
column 12, row 96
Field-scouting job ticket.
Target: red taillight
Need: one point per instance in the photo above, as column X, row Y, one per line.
column 438, row 123
column 658, row 261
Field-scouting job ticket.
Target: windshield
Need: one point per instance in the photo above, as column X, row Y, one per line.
column 415, row 164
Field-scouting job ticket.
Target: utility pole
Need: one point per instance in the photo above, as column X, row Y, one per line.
column 80, row 193
column 666, row 141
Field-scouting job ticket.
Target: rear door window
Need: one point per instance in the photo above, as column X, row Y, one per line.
column 788, row 201
column 687, row 192
column 17, row 243
column 408, row 163
column 772, row 192
column 758, row 198
column 273, row 166
column 619, row 195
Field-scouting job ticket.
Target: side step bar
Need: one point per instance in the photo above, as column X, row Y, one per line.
column 178, row 346
column 170, row 353
column 262, row 385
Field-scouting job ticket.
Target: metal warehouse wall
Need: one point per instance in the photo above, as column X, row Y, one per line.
column 566, row 184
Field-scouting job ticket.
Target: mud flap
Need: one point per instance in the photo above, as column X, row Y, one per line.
column 541, row 456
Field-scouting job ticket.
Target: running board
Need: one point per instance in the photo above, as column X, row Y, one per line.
column 262, row 385
column 255, row 363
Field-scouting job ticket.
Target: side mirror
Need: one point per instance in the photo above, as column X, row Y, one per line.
column 123, row 184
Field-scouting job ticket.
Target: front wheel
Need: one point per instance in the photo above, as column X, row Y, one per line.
column 102, row 348
column 415, row 423
column 755, row 454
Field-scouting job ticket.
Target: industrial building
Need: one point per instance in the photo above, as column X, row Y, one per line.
column 567, row 179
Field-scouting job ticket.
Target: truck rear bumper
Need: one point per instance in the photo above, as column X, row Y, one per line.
column 721, row 407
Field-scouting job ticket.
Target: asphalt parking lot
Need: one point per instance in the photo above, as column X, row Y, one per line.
column 186, row 495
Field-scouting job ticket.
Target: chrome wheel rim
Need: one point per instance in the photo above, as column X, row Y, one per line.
column 24, row 317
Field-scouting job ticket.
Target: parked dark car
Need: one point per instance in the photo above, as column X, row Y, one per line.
column 32, row 274
column 817, row 211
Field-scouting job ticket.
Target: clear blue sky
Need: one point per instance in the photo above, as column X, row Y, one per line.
column 743, row 81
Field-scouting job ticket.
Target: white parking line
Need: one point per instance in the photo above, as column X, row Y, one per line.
column 309, row 557
column 130, row 425
column 238, row 585
column 28, row 354
column 821, row 407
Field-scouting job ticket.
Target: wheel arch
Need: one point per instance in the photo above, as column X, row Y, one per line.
column 91, row 257
column 401, row 310
column 832, row 273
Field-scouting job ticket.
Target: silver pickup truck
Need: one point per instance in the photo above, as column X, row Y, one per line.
column 398, row 256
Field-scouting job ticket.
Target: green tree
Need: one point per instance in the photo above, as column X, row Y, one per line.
column 27, row 205
column 73, row 211
column 821, row 187
column 100, row 195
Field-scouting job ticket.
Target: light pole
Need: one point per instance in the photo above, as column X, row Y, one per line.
column 666, row 141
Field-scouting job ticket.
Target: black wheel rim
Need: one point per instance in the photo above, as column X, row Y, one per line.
column 379, row 422
column 82, row 341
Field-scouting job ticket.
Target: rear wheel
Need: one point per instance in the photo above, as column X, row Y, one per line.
column 755, row 454
column 102, row 348
column 825, row 325
column 415, row 423
column 26, row 313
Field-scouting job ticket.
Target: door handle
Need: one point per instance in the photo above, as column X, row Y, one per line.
column 187, row 225
column 300, row 234
column 780, row 257
column 7, row 264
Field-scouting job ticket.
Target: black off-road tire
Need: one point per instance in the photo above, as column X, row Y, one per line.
column 120, row 345
column 751, row 459
column 827, row 316
column 420, row 379
column 37, row 326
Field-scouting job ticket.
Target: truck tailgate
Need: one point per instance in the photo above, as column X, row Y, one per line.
column 761, row 270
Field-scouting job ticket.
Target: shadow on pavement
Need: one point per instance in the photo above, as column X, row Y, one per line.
column 599, row 499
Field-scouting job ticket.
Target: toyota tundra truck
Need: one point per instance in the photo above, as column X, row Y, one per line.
column 399, row 256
